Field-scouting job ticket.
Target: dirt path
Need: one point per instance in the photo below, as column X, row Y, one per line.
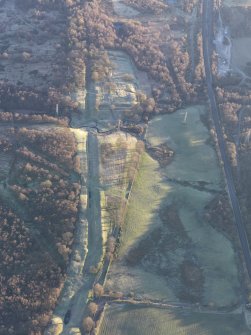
column 84, row 281
column 94, row 209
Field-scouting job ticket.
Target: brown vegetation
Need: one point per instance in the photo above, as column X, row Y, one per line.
column 98, row 290
column 92, row 308
column 37, row 232
column 31, row 118
column 193, row 280
column 88, row 325
column 162, row 153
column 188, row 5
column 59, row 144
column 30, row 279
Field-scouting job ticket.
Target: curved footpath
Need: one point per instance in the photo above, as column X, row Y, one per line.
column 207, row 34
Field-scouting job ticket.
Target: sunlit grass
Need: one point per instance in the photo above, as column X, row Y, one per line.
column 146, row 197
column 149, row 321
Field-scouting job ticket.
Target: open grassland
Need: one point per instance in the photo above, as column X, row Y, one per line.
column 234, row 3
column 121, row 320
column 212, row 249
column 166, row 240
column 147, row 195
column 197, row 162
column 241, row 53
column 194, row 160
column 123, row 10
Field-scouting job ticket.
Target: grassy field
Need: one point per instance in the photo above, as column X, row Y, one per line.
column 196, row 161
column 189, row 143
column 121, row 320
column 241, row 52
column 164, row 227
column 233, row 3
column 140, row 217
column 124, row 10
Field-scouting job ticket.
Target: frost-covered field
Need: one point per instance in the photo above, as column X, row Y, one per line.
column 164, row 228
column 148, row 321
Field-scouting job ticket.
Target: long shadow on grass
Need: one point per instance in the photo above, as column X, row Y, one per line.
column 158, row 250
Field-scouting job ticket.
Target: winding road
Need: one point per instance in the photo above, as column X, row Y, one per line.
column 207, row 33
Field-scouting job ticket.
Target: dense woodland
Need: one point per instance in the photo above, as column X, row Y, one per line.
column 160, row 6
column 9, row 117
column 37, row 221
column 30, row 279
column 188, row 5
